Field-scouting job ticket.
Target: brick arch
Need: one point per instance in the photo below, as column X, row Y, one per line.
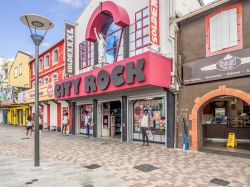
column 200, row 101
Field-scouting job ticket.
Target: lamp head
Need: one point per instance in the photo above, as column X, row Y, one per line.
column 36, row 22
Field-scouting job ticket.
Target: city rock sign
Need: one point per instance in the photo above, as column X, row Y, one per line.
column 103, row 79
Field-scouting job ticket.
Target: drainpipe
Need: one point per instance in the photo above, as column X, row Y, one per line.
column 174, row 87
column 177, row 31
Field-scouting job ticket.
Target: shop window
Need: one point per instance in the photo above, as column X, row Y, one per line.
column 46, row 61
column 46, row 80
column 20, row 69
column 84, row 54
column 83, row 110
column 40, row 62
column 55, row 56
column 227, row 110
column 156, row 112
column 55, row 77
column 141, row 28
column 15, row 72
column 224, row 30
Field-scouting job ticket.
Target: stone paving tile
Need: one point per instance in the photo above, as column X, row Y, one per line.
column 117, row 160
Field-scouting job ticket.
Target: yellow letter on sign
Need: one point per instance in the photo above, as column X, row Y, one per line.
column 231, row 141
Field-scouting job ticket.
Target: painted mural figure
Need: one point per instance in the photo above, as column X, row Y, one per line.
column 115, row 43
column 102, row 58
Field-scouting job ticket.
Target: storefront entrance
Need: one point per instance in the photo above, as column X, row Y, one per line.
column 224, row 115
column 111, row 119
column 218, row 113
column 86, row 110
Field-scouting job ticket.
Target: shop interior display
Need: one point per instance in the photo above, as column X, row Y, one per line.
column 231, row 111
column 156, row 113
column 115, row 111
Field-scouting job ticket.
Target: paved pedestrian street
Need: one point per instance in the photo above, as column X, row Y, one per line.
column 111, row 163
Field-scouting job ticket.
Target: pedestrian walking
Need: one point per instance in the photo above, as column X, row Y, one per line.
column 65, row 122
column 145, row 125
column 40, row 125
column 87, row 122
column 29, row 126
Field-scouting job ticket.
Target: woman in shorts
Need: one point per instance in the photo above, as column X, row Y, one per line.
column 29, row 127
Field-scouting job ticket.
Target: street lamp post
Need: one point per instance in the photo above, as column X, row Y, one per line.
column 36, row 22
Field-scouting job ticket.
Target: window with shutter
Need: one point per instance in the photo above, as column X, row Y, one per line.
column 224, row 30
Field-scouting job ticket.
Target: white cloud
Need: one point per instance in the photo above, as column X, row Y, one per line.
column 73, row 3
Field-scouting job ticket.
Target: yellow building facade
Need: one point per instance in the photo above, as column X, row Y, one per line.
column 19, row 77
column 18, row 114
column 19, row 70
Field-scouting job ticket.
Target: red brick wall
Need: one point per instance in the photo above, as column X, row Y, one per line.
column 59, row 125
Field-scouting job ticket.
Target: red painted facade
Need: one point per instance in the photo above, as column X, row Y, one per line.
column 52, row 68
column 58, row 115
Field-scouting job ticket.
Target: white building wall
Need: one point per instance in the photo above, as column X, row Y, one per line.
column 183, row 7
column 169, row 9
column 129, row 5
column 53, row 115
column 45, row 116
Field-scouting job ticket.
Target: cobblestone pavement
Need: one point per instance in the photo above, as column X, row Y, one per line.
column 66, row 155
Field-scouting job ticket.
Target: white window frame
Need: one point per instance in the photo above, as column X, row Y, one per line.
column 39, row 64
column 44, row 80
column 40, row 82
column 20, row 69
column 16, row 72
column 53, row 56
column 223, row 29
column 52, row 78
column 47, row 55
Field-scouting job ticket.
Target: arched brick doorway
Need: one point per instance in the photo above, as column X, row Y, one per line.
column 194, row 133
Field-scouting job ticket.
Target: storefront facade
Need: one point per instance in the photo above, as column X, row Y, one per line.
column 112, row 106
column 121, row 64
column 51, row 110
column 18, row 115
column 215, row 97
column 51, row 69
column 13, row 113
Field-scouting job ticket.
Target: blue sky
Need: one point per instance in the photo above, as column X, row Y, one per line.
column 14, row 35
